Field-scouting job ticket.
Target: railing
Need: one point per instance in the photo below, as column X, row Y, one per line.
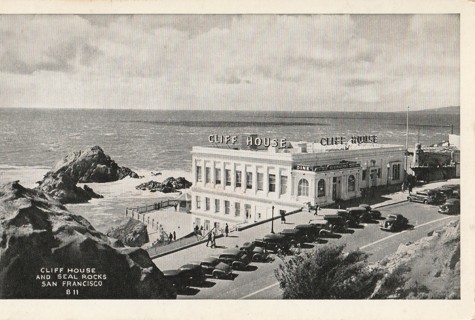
column 151, row 207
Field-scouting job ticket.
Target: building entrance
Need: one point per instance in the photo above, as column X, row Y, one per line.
column 336, row 188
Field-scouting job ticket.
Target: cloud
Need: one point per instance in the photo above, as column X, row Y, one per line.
column 260, row 62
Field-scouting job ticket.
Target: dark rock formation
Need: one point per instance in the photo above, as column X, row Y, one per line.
column 168, row 185
column 38, row 234
column 151, row 185
column 92, row 165
column 131, row 232
column 91, row 192
column 62, row 188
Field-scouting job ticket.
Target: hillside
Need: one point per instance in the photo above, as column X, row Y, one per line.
column 443, row 110
column 426, row 269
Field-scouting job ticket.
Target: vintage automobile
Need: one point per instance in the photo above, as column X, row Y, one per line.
column 179, row 279
column 425, row 196
column 236, row 258
column 357, row 215
column 323, row 226
column 394, row 222
column 311, row 233
column 444, row 192
column 451, row 206
column 257, row 254
column 375, row 214
column 294, row 236
column 214, row 267
column 274, row 242
column 194, row 273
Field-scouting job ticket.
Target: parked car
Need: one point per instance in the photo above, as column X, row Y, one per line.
column 339, row 220
column 323, row 227
column 451, row 206
column 394, row 222
column 179, row 279
column 294, row 236
column 444, row 192
column 194, row 272
column 374, row 214
column 273, row 242
column 214, row 267
column 425, row 196
column 310, row 231
column 236, row 258
column 257, row 254
column 357, row 215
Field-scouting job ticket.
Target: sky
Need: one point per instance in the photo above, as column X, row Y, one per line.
column 230, row 62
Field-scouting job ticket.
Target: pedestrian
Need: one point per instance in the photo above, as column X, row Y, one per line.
column 174, row 236
column 170, row 237
column 213, row 240
column 209, row 239
column 282, row 217
column 175, row 205
column 226, row 230
column 409, row 186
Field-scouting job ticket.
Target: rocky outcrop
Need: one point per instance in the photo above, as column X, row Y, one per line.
column 150, row 185
column 131, row 232
column 426, row 269
column 168, row 185
column 40, row 240
column 92, row 165
column 62, row 188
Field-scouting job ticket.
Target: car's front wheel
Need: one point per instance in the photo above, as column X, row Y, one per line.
column 425, row 201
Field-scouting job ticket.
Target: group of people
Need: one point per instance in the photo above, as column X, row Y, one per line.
column 172, row 237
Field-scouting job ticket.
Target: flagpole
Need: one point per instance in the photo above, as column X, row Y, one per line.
column 407, row 136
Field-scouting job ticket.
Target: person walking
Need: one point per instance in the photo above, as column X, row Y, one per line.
column 175, row 205
column 174, row 236
column 226, row 230
column 170, row 237
column 209, row 239
column 213, row 240
column 409, row 186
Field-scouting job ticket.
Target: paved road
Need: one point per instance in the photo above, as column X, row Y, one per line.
column 260, row 283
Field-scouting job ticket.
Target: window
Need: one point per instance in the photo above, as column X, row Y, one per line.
column 238, row 179
column 207, row 204
column 302, row 189
column 226, row 207
column 199, row 174
column 227, row 177
column 363, row 175
column 260, row 181
column 351, row 183
column 207, row 175
column 396, row 171
column 217, row 174
column 237, row 209
column 272, row 183
column 249, row 180
column 321, row 188
column 216, row 205
column 198, row 202
column 283, row 184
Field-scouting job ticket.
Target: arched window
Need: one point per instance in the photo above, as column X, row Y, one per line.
column 351, row 183
column 303, row 188
column 321, row 188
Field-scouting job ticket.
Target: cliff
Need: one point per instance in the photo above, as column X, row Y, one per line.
column 131, row 232
column 47, row 252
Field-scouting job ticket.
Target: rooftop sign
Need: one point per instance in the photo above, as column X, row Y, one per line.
column 329, row 141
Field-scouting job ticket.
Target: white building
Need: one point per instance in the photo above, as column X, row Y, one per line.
column 243, row 183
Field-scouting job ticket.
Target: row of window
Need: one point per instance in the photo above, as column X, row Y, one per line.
column 238, row 179
column 227, row 206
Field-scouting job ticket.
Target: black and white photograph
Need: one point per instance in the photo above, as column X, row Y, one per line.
column 232, row 156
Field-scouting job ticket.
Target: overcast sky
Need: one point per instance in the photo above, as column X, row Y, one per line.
column 249, row 62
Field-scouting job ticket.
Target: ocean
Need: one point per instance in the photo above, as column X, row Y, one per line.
column 33, row 140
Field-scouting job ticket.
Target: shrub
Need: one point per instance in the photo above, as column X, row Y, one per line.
column 327, row 273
